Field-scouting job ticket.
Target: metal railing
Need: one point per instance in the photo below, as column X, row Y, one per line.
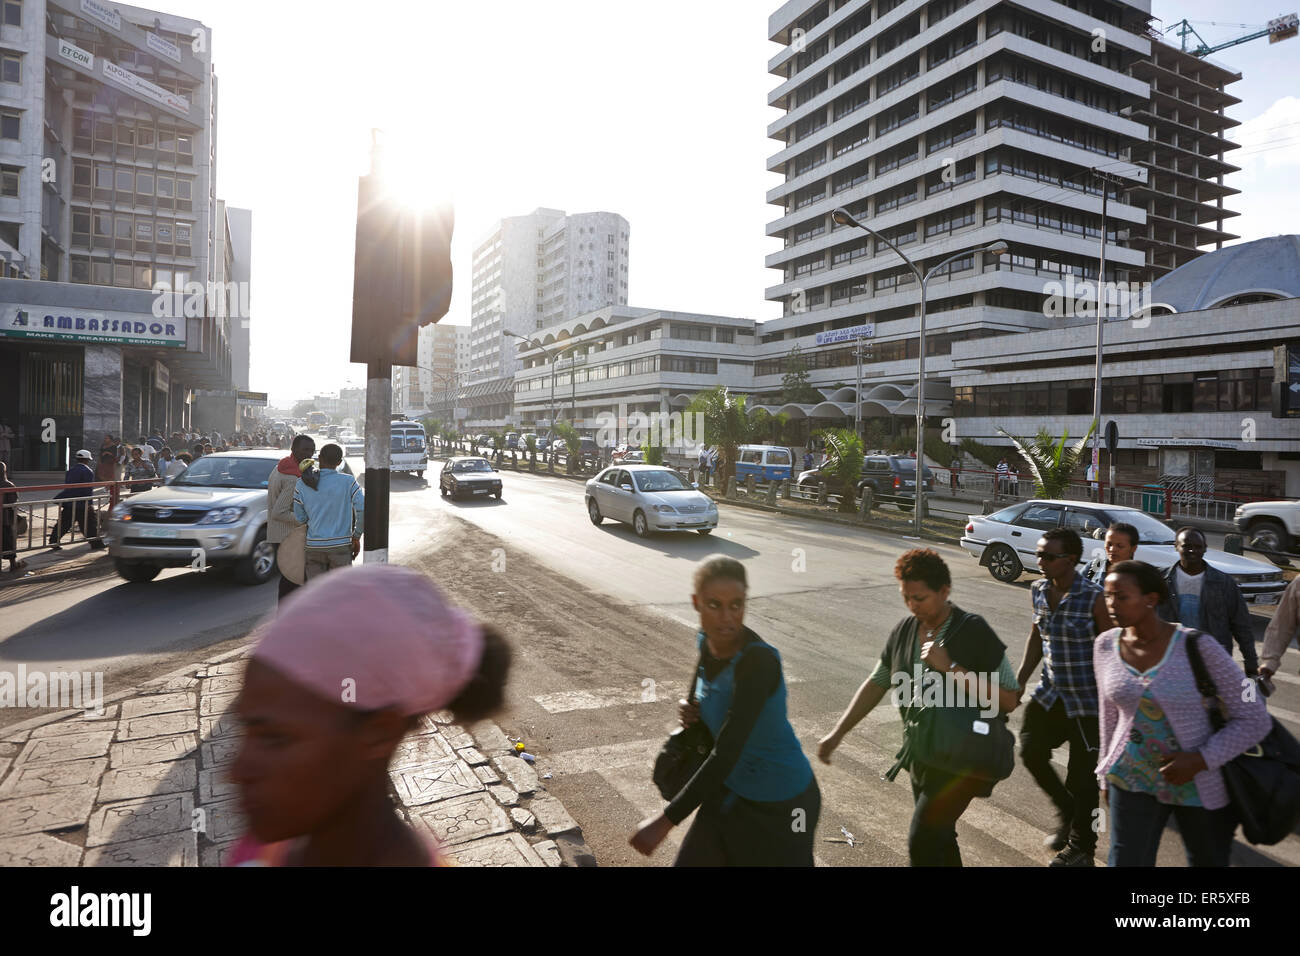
column 43, row 515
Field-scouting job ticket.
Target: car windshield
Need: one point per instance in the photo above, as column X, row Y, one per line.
column 474, row 464
column 660, row 481
column 216, row 471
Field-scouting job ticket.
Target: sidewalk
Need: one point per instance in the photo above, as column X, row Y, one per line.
column 144, row 784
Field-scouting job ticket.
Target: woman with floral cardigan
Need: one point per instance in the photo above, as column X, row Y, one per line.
column 1159, row 754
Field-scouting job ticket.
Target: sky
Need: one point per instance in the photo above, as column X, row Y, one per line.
column 657, row 112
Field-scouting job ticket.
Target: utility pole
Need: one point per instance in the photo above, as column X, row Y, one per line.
column 1107, row 180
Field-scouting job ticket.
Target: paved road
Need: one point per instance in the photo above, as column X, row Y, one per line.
column 595, row 696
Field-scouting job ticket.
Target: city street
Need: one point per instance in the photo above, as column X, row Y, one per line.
column 602, row 626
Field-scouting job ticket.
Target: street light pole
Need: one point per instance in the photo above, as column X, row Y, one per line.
column 997, row 248
column 1107, row 180
column 547, row 353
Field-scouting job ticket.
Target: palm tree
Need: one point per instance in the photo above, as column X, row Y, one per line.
column 727, row 425
column 1049, row 460
column 572, row 443
column 844, row 461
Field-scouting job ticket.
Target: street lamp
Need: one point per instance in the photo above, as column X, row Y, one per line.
column 526, row 340
column 998, row 248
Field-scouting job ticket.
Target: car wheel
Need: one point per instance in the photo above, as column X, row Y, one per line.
column 1270, row 536
column 1003, row 564
column 640, row 525
column 593, row 512
column 442, row 489
column 258, row 567
column 497, row 496
column 137, row 572
column 704, row 530
column 419, row 474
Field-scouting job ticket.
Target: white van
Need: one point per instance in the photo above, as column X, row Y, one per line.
column 764, row 462
column 408, row 452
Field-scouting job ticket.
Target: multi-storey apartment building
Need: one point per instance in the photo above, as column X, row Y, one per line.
column 531, row 272
column 107, row 156
column 945, row 125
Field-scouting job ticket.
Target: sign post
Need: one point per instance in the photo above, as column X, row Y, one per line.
column 1112, row 443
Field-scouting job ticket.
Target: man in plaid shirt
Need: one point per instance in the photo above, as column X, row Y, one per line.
column 1069, row 613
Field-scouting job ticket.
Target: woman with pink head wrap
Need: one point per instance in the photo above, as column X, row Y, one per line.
column 345, row 671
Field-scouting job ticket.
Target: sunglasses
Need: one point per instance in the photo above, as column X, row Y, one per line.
column 1047, row 555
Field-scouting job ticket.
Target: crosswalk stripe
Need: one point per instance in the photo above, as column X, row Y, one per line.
column 650, row 692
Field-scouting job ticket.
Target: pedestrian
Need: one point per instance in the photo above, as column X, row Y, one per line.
column 281, row 522
column 9, row 521
column 106, row 470
column 1281, row 631
column 112, row 446
column 7, row 436
column 138, row 470
column 1208, row 599
column 322, row 799
column 1003, row 477
column 702, row 462
column 1013, row 479
column 756, row 780
column 77, row 508
column 954, row 474
column 208, row 449
column 957, row 642
column 1121, row 543
column 179, row 466
column 808, row 459
column 164, row 461
column 197, row 451
column 1159, row 754
column 155, row 440
column 1068, row 614
column 332, row 507
column 146, row 449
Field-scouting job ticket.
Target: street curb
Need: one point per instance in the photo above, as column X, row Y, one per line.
column 831, row 519
column 86, row 569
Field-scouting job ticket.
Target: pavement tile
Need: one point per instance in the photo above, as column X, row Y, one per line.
column 220, row 752
column 487, row 774
column 159, row 704
column 490, row 739
column 135, row 783
column 138, row 819
column 18, row 737
column 517, row 773
column 431, row 782
column 169, row 849
column 549, row 852
column 4, row 765
column 227, row 725
column 215, row 855
column 44, row 777
column 157, row 725
column 554, row 819
column 421, row 749
column 8, row 749
column 233, row 668
column 456, row 737
column 229, row 684
column 471, row 756
column 213, row 705
column 222, row 821
column 523, row 819
column 38, row 849
column 94, row 743
column 504, row 795
column 61, row 728
column 56, row 810
column 174, row 684
column 463, row 819
column 109, row 716
column 215, row 785
column 507, row 850
column 133, row 753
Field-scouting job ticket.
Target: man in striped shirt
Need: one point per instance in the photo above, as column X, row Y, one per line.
column 1069, row 613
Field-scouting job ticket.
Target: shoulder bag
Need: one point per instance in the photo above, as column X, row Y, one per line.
column 956, row 740
column 1264, row 782
column 685, row 750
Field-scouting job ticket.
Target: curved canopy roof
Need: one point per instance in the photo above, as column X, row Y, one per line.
column 1266, row 267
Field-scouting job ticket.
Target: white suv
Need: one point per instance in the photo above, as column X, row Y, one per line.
column 1270, row 525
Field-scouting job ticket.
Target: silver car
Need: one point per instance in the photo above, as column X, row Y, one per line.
column 650, row 498
column 213, row 515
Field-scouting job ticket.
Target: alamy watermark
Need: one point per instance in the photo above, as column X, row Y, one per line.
column 930, row 688
column 65, row 690
column 675, row 430
column 197, row 299
column 1071, row 299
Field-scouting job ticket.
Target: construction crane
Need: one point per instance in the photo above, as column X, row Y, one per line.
column 1279, row 28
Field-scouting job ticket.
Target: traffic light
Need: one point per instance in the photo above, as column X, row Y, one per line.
column 402, row 276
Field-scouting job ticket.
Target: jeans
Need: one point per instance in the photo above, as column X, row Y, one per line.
column 321, row 560
column 1137, row 821
column 1076, row 799
column 941, row 798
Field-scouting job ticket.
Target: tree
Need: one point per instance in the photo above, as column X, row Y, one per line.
column 1050, row 462
column 727, row 425
column 844, row 461
column 572, row 444
column 794, row 383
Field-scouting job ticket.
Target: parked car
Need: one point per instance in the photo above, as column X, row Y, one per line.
column 560, row 447
column 824, row 474
column 650, row 498
column 1270, row 525
column 633, row 458
column 512, row 440
column 893, row 478
column 469, row 478
column 1005, row 541
column 543, row 442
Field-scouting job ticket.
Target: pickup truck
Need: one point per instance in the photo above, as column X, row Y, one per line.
column 1270, row 525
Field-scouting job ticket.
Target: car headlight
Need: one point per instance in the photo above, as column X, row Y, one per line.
column 712, row 506
column 120, row 510
column 1237, row 513
column 222, row 516
column 665, row 509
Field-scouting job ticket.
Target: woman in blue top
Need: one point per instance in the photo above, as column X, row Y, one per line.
column 758, row 800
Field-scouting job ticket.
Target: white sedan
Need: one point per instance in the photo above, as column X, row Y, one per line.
column 1005, row 542
column 650, row 498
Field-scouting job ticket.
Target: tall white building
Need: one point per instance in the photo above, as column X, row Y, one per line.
column 529, row 273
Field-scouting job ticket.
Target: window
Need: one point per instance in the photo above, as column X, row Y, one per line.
column 9, row 180
column 13, row 13
column 144, row 184
column 10, row 121
column 184, row 191
column 11, row 67
column 1040, row 517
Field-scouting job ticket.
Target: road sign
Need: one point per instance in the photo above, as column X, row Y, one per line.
column 1112, row 437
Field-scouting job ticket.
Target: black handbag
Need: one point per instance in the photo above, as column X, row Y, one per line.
column 1264, row 782
column 685, row 750
column 956, row 740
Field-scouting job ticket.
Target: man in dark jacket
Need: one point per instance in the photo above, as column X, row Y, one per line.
column 1209, row 600
column 77, row 507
